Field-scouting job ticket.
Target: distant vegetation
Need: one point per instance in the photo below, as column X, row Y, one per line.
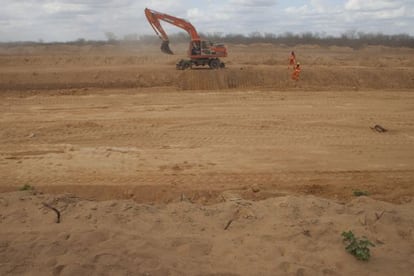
column 351, row 39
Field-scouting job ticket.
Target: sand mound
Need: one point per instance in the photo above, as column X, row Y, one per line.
column 278, row 236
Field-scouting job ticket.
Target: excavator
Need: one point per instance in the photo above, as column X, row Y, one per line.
column 200, row 52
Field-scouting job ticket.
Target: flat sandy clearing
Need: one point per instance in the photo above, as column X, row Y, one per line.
column 239, row 171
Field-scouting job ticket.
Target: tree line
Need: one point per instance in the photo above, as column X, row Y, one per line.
column 350, row 38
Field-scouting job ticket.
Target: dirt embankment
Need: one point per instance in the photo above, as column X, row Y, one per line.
column 62, row 67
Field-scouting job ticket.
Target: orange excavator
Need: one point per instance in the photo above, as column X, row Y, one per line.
column 200, row 52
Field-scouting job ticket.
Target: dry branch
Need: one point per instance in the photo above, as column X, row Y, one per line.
column 54, row 209
column 379, row 129
column 228, row 224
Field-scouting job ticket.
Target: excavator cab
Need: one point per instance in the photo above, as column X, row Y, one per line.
column 195, row 48
column 200, row 48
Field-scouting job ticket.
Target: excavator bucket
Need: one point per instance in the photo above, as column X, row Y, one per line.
column 165, row 47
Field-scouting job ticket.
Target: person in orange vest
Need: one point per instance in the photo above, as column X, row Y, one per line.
column 296, row 72
column 292, row 59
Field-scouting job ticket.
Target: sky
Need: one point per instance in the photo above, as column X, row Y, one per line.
column 68, row 20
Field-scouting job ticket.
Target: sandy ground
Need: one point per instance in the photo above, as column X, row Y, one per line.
column 148, row 165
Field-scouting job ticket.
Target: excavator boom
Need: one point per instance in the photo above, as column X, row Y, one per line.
column 154, row 18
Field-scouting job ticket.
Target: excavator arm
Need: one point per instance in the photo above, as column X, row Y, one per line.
column 154, row 18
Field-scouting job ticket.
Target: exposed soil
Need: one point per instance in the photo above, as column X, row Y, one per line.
column 83, row 124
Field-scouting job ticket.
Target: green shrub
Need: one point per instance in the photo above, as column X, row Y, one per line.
column 26, row 187
column 357, row 247
column 360, row 193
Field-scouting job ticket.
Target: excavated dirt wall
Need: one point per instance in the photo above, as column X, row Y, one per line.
column 314, row 78
column 253, row 66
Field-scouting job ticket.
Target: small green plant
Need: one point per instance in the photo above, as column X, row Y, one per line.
column 357, row 247
column 26, row 187
column 360, row 193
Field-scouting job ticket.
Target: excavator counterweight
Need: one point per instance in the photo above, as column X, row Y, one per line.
column 200, row 52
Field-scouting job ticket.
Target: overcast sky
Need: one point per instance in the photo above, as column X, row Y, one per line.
column 64, row 20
